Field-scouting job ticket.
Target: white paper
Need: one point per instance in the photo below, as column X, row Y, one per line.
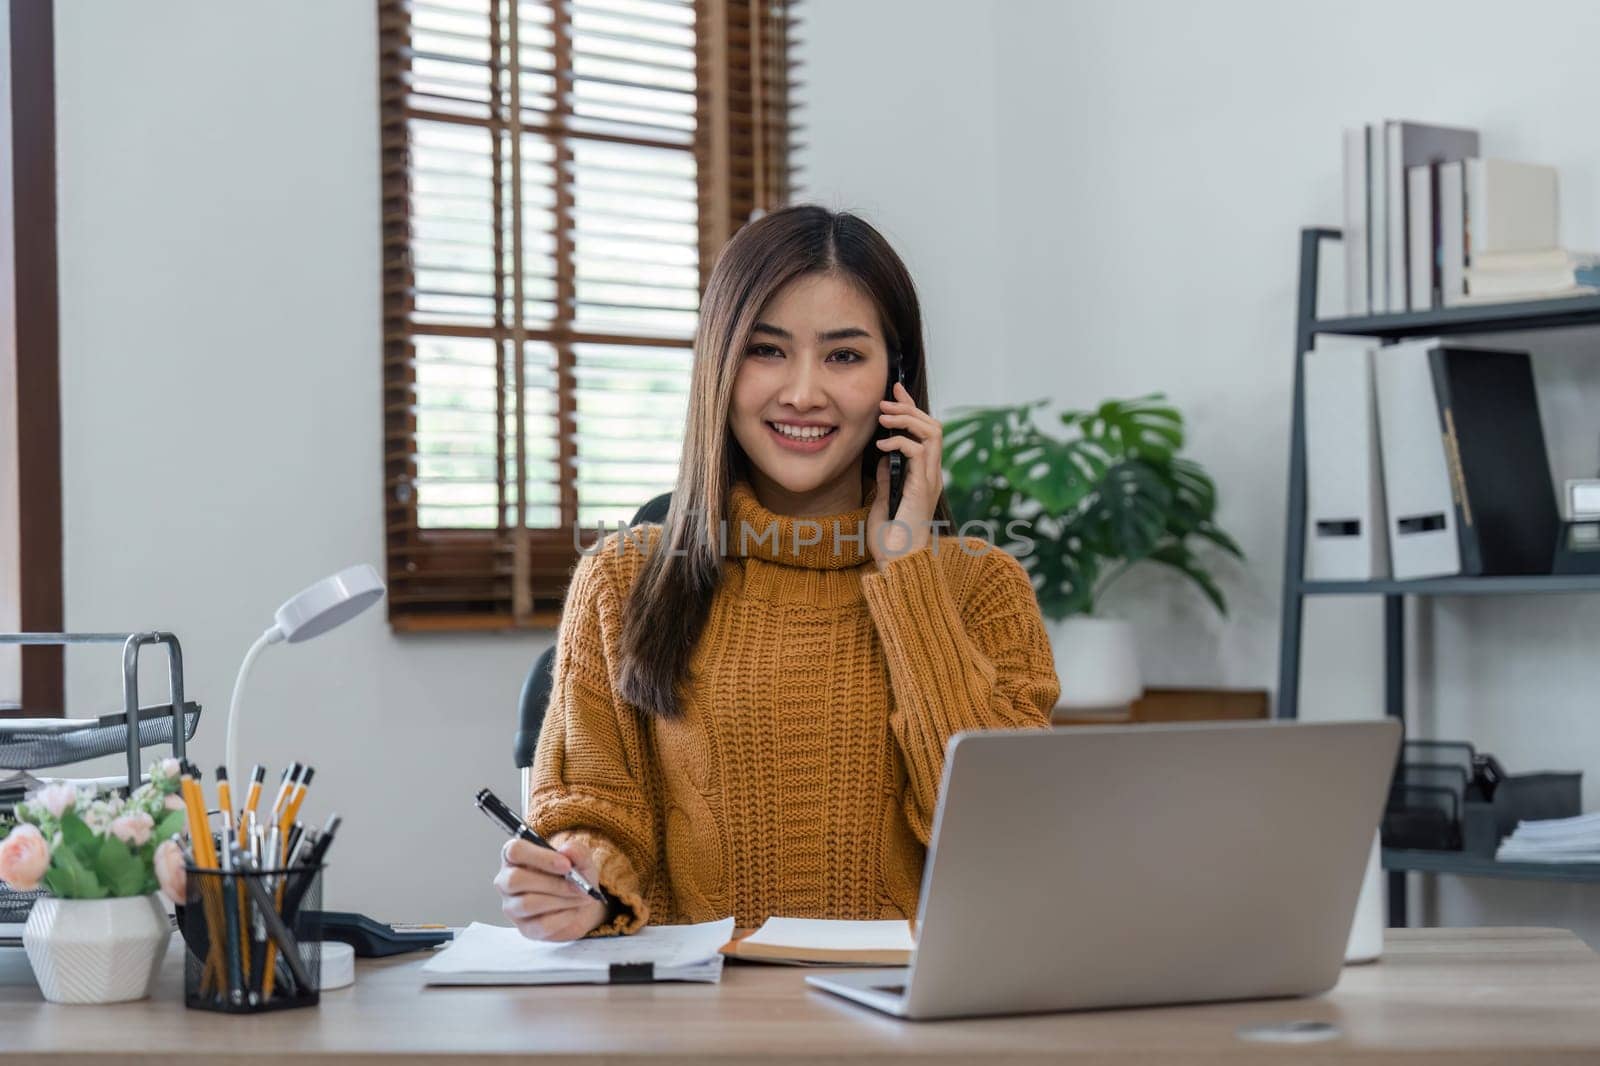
column 1574, row 839
column 482, row 951
column 831, row 935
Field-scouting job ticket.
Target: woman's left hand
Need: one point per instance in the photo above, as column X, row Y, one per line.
column 920, row 438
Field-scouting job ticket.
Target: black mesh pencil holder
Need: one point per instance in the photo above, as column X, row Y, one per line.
column 252, row 939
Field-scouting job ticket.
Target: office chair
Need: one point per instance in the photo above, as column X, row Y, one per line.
column 536, row 687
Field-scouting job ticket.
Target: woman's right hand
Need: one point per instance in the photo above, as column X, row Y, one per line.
column 536, row 896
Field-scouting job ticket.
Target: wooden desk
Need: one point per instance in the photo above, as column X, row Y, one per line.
column 1451, row 997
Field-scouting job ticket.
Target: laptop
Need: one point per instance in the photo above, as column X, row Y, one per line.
column 1120, row 866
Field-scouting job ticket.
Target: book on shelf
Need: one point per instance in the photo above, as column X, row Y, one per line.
column 1357, row 300
column 1421, row 237
column 1465, row 472
column 1549, row 273
column 1510, row 207
column 1419, row 516
column 1431, row 222
column 1507, row 520
column 1345, row 528
column 1382, row 255
column 1413, row 144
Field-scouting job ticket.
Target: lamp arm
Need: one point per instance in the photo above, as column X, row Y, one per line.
column 272, row 635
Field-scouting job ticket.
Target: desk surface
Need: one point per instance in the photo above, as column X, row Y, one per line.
column 1456, row 997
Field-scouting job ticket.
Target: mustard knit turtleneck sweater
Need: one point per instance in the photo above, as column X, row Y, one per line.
column 802, row 776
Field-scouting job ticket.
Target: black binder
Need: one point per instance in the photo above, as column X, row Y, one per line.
column 1506, row 516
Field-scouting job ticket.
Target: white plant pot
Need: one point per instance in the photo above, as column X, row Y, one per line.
column 1097, row 662
column 96, row 950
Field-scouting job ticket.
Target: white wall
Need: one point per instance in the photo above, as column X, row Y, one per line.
column 221, row 405
column 905, row 135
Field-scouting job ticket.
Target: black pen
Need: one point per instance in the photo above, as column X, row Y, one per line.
column 502, row 816
column 319, row 851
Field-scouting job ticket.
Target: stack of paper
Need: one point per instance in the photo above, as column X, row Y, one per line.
column 1555, row 840
column 497, row 955
column 1552, row 272
column 818, row 940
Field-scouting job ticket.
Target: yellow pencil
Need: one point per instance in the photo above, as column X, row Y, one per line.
column 225, row 798
column 285, row 787
column 258, row 773
column 204, row 858
column 292, row 810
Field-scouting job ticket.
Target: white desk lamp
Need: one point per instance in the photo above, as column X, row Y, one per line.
column 309, row 613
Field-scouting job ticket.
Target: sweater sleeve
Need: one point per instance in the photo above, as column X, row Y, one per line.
column 959, row 659
column 590, row 778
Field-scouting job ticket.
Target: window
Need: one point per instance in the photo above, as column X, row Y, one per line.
column 547, row 226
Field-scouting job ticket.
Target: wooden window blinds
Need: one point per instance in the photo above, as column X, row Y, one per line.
column 558, row 177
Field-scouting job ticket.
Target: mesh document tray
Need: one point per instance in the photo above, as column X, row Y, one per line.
column 41, row 743
column 38, row 744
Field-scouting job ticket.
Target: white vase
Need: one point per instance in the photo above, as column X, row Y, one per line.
column 96, row 950
column 1097, row 662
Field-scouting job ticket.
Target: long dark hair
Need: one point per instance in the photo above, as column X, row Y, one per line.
column 671, row 599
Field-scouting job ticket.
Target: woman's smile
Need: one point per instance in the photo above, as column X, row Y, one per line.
column 805, row 440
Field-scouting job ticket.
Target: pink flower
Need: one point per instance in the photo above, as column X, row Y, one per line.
column 169, row 768
column 57, row 798
column 133, row 828
column 172, row 803
column 24, row 857
column 170, row 873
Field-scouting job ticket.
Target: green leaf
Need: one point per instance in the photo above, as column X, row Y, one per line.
column 118, row 868
column 169, row 825
column 979, row 445
column 1063, row 573
column 1194, row 495
column 980, row 503
column 57, row 881
column 76, row 880
column 1129, row 515
column 76, row 834
column 1179, row 558
column 1222, row 540
column 1059, row 474
column 1140, row 428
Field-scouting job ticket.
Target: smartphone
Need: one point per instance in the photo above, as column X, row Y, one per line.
column 897, row 460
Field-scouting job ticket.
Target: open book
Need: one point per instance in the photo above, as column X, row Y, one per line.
column 818, row 940
column 499, row 955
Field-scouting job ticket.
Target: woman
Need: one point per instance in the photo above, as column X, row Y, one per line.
column 750, row 711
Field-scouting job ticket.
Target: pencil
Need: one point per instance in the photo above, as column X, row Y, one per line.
column 204, row 858
column 285, row 787
column 292, row 809
column 225, row 799
column 258, row 773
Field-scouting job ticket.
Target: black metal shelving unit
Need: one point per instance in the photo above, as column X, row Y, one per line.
column 1455, row 321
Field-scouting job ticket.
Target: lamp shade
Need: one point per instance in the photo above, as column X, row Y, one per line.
column 330, row 602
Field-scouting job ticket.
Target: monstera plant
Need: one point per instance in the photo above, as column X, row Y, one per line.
column 1110, row 493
